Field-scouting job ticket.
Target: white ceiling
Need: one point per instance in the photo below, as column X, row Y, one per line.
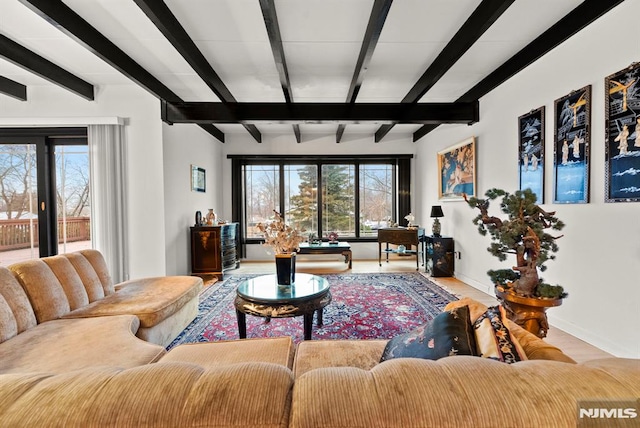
column 321, row 39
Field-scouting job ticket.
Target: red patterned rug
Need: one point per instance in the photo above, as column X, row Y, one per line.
column 364, row 306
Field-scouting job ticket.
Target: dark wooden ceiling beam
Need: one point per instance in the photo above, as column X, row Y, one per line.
column 162, row 17
column 573, row 22
column 474, row 27
column 34, row 63
column 377, row 19
column 13, row 89
column 425, row 113
column 73, row 25
column 270, row 18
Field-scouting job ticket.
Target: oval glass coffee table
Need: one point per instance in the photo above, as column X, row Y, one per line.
column 263, row 297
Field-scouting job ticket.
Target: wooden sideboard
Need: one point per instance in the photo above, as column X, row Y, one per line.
column 213, row 249
column 401, row 236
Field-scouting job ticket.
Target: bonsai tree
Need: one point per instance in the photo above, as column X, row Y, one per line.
column 522, row 234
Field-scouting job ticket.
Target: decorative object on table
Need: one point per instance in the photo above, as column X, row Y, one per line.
column 522, row 292
column 284, row 240
column 198, row 218
column 333, row 237
column 572, row 139
column 436, row 214
column 402, row 249
column 531, row 152
column 457, row 171
column 198, row 181
column 410, row 219
column 622, row 128
column 211, row 217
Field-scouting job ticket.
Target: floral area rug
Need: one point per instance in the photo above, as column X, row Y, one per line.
column 364, row 306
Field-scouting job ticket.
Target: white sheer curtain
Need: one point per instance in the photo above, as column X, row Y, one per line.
column 107, row 157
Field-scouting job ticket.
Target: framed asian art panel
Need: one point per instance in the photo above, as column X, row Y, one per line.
column 198, row 179
column 572, row 137
column 622, row 130
column 531, row 152
column 457, row 171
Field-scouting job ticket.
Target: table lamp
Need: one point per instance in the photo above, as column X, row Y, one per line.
column 436, row 212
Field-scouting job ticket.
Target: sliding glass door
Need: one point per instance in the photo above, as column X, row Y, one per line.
column 44, row 193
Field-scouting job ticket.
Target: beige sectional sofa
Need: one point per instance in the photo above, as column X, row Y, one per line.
column 271, row 383
column 64, row 313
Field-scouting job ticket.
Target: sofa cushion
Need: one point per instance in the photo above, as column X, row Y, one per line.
column 449, row 333
column 274, row 350
column 101, row 269
column 71, row 344
column 155, row 395
column 69, row 279
column 460, row 391
column 46, row 295
column 314, row 354
column 17, row 304
column 87, row 275
column 151, row 299
column 493, row 338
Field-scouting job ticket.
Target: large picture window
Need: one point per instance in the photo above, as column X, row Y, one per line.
column 353, row 197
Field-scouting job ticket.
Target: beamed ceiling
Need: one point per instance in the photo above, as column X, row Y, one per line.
column 298, row 66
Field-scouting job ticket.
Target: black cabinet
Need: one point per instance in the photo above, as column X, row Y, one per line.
column 213, row 249
column 440, row 255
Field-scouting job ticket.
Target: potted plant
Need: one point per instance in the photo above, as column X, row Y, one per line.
column 523, row 233
column 284, row 240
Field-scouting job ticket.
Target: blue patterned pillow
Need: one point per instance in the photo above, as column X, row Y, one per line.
column 449, row 333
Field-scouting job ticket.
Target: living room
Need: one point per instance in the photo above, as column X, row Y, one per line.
column 597, row 234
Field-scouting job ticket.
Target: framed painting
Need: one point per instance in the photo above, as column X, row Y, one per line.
column 457, row 171
column 198, row 179
column 531, row 152
column 572, row 138
column 622, row 135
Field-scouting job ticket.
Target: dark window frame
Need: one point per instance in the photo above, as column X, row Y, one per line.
column 401, row 198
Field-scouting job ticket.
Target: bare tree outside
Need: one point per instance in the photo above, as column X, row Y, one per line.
column 17, row 181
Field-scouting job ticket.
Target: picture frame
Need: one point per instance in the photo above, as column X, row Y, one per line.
column 198, row 179
column 531, row 142
column 572, row 142
column 622, row 135
column 457, row 171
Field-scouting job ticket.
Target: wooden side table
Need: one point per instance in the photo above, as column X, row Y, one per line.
column 401, row 236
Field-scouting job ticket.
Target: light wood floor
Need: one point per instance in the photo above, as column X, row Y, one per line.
column 572, row 346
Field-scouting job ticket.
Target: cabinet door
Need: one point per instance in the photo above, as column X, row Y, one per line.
column 205, row 254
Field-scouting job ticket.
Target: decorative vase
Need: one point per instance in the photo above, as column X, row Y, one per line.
column 211, row 217
column 286, row 268
column 436, row 227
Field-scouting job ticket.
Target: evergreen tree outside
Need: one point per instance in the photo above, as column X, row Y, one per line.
column 338, row 199
column 302, row 210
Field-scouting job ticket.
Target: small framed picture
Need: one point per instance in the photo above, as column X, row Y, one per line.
column 572, row 138
column 531, row 152
column 457, row 171
column 198, row 179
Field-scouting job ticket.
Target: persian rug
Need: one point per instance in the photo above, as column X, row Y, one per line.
column 364, row 306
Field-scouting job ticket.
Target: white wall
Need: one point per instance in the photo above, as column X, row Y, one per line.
column 144, row 151
column 598, row 263
column 312, row 144
column 186, row 145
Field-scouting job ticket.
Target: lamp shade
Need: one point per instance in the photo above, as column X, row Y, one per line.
column 436, row 211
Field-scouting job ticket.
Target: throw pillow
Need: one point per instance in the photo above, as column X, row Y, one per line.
column 493, row 338
column 449, row 333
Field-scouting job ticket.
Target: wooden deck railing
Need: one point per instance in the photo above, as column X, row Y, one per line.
column 15, row 234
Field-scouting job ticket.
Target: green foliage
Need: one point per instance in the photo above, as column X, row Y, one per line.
column 503, row 276
column 550, row 291
column 522, row 233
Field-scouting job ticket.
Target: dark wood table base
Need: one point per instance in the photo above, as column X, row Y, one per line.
column 306, row 309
